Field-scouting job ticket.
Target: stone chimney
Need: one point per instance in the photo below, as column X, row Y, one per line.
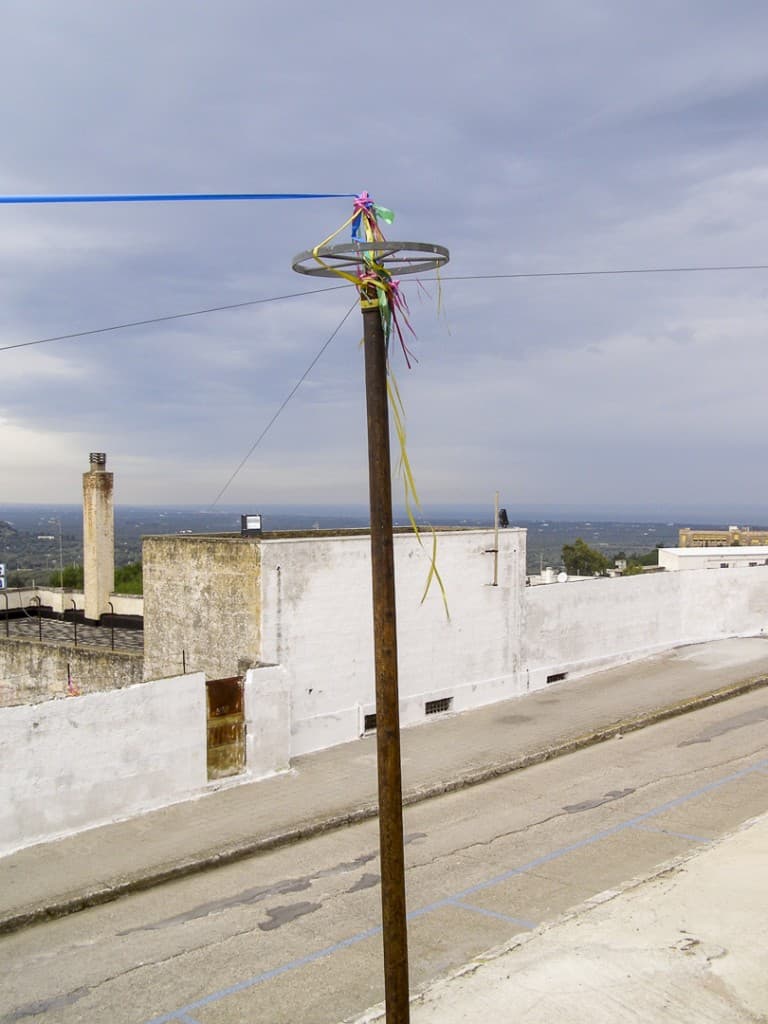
column 98, row 537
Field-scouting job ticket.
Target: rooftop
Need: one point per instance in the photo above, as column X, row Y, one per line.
column 751, row 550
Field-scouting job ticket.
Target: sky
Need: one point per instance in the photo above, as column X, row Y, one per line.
column 527, row 138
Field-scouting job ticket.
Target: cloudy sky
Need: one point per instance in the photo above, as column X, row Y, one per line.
column 528, row 138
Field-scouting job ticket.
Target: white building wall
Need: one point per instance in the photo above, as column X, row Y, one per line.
column 82, row 761
column 676, row 559
column 317, row 624
column 575, row 628
column 723, row 603
column 578, row 627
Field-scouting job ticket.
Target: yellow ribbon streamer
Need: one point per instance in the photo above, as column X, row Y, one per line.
column 409, row 488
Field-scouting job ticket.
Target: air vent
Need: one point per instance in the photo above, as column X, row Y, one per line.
column 369, row 723
column 557, row 677
column 437, row 707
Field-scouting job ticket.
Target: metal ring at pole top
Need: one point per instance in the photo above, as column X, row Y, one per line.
column 398, row 258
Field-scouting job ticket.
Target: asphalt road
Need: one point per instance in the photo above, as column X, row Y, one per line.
column 292, row 936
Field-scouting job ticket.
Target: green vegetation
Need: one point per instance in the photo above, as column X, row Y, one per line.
column 128, row 579
column 72, row 577
column 580, row 559
column 636, row 562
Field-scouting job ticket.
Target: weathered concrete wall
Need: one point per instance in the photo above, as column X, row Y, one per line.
column 578, row 627
column 202, row 596
column 31, row 672
column 317, row 624
column 72, row 764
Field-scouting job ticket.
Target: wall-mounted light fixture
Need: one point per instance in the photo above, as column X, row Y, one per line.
column 250, row 525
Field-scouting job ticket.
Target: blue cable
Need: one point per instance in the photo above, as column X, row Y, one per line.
column 175, row 197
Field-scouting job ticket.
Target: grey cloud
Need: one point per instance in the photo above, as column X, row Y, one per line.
column 558, row 137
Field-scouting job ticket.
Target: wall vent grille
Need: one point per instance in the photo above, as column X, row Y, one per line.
column 437, row 707
column 557, row 677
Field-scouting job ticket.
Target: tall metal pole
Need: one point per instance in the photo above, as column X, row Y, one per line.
column 394, row 925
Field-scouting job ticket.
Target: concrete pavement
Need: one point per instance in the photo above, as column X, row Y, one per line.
column 686, row 945
column 335, row 787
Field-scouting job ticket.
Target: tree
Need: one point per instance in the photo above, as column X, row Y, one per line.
column 72, row 577
column 582, row 560
column 128, row 579
column 647, row 558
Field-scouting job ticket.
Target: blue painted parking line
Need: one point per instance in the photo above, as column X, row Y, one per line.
column 320, row 954
column 181, row 1015
column 672, row 832
column 530, row 925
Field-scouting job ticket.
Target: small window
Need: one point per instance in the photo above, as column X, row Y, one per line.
column 557, row 677
column 752, row 564
column 437, row 707
column 369, row 723
column 723, row 565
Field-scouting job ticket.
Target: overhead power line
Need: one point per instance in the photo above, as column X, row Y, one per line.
column 601, row 273
column 171, row 316
column 283, row 404
column 443, row 277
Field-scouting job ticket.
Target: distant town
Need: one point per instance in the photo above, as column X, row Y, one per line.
column 39, row 542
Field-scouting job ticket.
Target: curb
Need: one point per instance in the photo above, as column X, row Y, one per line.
column 152, row 877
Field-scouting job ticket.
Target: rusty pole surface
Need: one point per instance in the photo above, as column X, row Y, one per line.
column 395, row 932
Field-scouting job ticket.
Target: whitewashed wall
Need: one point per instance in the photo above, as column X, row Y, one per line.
column 317, row 624
column 267, row 721
column 582, row 626
column 724, row 602
column 61, row 600
column 77, row 762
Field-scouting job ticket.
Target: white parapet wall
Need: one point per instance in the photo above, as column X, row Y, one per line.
column 317, row 624
column 575, row 628
column 267, row 721
column 78, row 762
column 60, row 601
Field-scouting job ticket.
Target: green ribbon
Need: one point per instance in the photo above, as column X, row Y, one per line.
column 384, row 214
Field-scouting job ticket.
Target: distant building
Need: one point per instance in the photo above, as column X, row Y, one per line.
column 675, row 559
column 734, row 536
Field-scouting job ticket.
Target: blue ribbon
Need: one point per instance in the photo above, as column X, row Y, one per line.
column 175, row 197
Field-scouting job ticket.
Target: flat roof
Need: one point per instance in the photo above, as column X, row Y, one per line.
column 721, row 552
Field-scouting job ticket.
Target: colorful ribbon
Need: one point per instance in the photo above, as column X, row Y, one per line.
column 393, row 308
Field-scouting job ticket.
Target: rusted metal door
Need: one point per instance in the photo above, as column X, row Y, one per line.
column 226, row 727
